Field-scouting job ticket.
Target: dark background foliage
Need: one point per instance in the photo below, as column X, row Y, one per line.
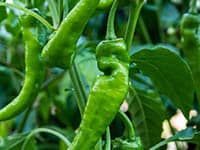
column 150, row 102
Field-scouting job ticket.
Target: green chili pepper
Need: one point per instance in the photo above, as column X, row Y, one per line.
column 107, row 93
column 60, row 49
column 129, row 141
column 134, row 144
column 105, row 4
column 33, row 76
column 190, row 31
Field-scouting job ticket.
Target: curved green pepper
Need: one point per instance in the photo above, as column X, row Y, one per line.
column 106, row 95
column 129, row 141
column 109, row 90
column 134, row 144
column 33, row 77
column 190, row 32
column 60, row 49
column 105, row 4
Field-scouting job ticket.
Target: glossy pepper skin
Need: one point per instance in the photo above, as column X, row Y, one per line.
column 60, row 49
column 133, row 144
column 106, row 95
column 104, row 4
column 34, row 74
column 190, row 31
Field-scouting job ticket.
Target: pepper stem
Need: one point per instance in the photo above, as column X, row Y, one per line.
column 193, row 6
column 135, row 9
column 128, row 125
column 44, row 130
column 110, row 33
column 80, row 93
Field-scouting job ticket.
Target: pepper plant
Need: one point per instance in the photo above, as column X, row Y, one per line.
column 98, row 74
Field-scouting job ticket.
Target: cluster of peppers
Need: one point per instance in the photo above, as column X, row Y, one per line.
column 108, row 91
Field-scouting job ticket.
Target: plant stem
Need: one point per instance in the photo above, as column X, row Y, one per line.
column 78, row 89
column 80, row 83
column 128, row 124
column 108, row 140
column 45, row 130
column 110, row 33
column 65, row 8
column 173, row 132
column 54, row 12
column 29, row 12
column 144, row 30
column 132, row 22
column 162, row 143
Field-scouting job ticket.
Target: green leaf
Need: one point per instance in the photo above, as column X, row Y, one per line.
column 185, row 135
column 195, row 139
column 86, row 61
column 3, row 13
column 148, row 113
column 169, row 73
